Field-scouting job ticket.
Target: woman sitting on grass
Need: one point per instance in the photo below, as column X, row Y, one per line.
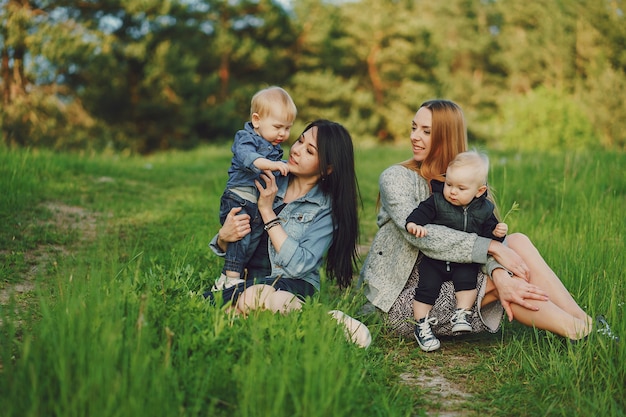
column 520, row 281
column 310, row 217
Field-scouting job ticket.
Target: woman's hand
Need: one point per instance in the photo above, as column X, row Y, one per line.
column 509, row 259
column 235, row 227
column 512, row 290
column 267, row 195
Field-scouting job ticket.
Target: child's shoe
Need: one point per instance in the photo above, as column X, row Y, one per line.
column 224, row 282
column 424, row 335
column 459, row 321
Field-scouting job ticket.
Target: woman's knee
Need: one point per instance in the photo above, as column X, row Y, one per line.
column 282, row 302
column 518, row 240
column 517, row 237
column 254, row 297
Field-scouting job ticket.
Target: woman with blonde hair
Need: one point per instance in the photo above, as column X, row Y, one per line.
column 517, row 278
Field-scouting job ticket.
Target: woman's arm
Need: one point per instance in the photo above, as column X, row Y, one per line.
column 516, row 291
column 509, row 259
column 265, row 203
column 401, row 190
column 235, row 227
column 299, row 256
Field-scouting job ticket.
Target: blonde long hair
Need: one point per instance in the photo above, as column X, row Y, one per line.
column 448, row 138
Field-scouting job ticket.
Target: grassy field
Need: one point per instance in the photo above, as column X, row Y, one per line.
column 104, row 258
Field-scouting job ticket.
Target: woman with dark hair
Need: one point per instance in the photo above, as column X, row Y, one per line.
column 310, row 219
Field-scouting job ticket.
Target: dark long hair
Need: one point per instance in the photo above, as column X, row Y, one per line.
column 338, row 180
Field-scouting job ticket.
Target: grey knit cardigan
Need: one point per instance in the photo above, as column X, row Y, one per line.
column 394, row 251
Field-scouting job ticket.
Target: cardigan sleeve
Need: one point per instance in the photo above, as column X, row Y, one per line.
column 401, row 190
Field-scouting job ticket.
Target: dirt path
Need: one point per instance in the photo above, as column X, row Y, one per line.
column 65, row 219
column 446, row 396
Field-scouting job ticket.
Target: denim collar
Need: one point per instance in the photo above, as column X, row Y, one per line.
column 315, row 194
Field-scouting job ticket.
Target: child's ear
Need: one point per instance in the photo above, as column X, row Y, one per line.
column 255, row 119
column 481, row 190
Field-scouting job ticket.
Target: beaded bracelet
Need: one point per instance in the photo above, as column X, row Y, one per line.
column 274, row 222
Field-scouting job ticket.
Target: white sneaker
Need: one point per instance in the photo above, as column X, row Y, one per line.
column 356, row 331
column 224, row 282
column 459, row 320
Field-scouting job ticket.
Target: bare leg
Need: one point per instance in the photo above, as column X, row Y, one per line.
column 253, row 298
column 355, row 331
column 552, row 318
column 549, row 316
column 560, row 314
column 465, row 299
column 268, row 298
column 282, row 302
column 420, row 310
column 544, row 277
column 491, row 293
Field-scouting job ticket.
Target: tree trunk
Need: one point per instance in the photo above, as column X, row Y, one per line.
column 5, row 74
column 224, row 74
column 19, row 80
column 375, row 79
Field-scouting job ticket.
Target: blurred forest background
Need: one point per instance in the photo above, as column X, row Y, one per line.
column 140, row 76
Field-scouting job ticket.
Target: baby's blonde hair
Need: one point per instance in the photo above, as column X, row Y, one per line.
column 263, row 101
column 478, row 162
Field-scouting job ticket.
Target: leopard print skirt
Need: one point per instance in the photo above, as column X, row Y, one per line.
column 485, row 318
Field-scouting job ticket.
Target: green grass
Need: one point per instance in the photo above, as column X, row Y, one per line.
column 115, row 250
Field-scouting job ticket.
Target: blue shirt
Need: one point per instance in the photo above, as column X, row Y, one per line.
column 309, row 227
column 247, row 147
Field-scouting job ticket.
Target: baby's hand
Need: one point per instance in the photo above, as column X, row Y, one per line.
column 282, row 167
column 416, row 230
column 500, row 230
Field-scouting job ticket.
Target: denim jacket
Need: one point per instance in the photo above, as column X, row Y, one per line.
column 309, row 227
column 247, row 147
